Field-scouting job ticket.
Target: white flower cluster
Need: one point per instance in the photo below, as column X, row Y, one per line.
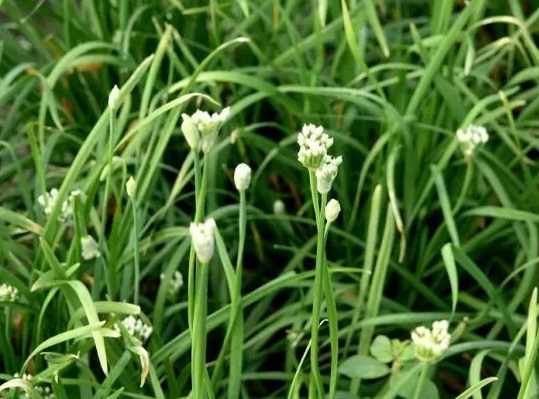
column 136, row 328
column 44, row 391
column 8, row 293
column 175, row 284
column 201, row 128
column 471, row 138
column 313, row 154
column 48, row 201
column 202, row 237
column 430, row 344
column 90, row 249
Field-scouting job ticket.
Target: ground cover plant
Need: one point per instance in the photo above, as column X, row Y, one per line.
column 269, row 199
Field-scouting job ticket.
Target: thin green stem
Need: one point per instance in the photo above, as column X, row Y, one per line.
column 111, row 272
column 465, row 187
column 136, row 254
column 421, row 381
column 333, row 321
column 316, row 388
column 197, row 292
column 192, row 258
column 236, row 354
column 198, row 354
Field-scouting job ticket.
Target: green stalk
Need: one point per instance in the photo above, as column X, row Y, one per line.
column 198, row 354
column 316, row 389
column 236, row 353
column 136, row 254
column 197, row 298
column 111, row 271
column 333, row 322
column 421, row 381
column 192, row 257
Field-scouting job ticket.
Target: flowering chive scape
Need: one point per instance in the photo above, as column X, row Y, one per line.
column 8, row 293
column 471, row 138
column 90, row 249
column 202, row 236
column 200, row 129
column 430, row 344
column 136, row 328
column 242, row 177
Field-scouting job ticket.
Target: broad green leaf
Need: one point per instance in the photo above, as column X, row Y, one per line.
column 381, row 349
column 364, row 367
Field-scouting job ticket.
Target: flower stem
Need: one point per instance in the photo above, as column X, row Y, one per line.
column 136, row 255
column 197, row 291
column 198, row 354
column 333, row 324
column 236, row 353
column 110, row 272
column 421, row 381
column 316, row 388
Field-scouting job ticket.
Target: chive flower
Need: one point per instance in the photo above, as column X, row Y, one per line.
column 429, row 344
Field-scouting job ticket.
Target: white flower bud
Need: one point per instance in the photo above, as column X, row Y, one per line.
column 190, row 131
column 242, row 177
column 279, row 207
column 114, row 98
column 90, row 249
column 131, row 187
column 333, row 208
column 202, row 237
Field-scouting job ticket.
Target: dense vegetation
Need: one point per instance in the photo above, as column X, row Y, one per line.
column 110, row 286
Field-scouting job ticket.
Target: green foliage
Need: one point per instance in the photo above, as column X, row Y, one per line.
column 426, row 231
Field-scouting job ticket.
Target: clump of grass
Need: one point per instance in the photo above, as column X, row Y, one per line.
column 145, row 140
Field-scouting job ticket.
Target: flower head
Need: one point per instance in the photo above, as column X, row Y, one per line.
column 313, row 146
column 326, row 173
column 90, row 249
column 430, row 344
column 136, row 328
column 201, row 128
column 48, row 201
column 471, row 138
column 242, row 177
column 8, row 293
column 174, row 285
column 202, row 236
